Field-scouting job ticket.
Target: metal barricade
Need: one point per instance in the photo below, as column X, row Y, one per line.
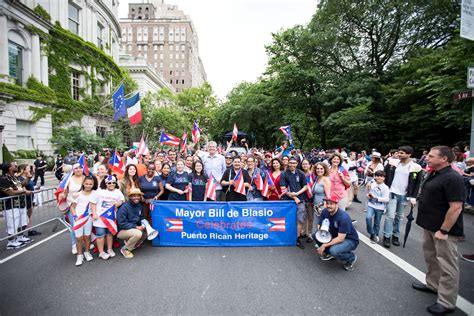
column 15, row 211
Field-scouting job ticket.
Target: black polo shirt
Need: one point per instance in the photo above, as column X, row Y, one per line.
column 440, row 188
column 294, row 182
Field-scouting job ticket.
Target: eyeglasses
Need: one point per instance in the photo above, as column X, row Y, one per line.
column 110, row 182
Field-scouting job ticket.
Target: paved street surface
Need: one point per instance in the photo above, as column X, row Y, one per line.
column 220, row 281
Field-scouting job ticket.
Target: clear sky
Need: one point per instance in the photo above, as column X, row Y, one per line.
column 232, row 34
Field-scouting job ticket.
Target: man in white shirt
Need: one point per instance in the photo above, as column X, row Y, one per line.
column 214, row 164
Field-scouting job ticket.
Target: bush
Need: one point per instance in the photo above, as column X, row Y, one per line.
column 27, row 154
column 7, row 155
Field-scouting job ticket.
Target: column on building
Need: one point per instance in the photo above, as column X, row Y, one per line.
column 3, row 49
column 35, row 56
column 44, row 68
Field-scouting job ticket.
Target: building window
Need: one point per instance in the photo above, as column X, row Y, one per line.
column 183, row 48
column 15, row 62
column 23, row 135
column 171, row 47
column 145, row 55
column 139, row 48
column 101, row 131
column 100, row 30
column 161, row 47
column 130, row 35
column 129, row 48
column 183, row 65
column 182, row 56
column 171, row 65
column 182, row 73
column 161, row 65
column 171, row 81
column 155, row 56
column 145, row 34
column 182, row 81
column 177, row 56
column 73, row 19
column 177, row 65
column 139, row 34
column 145, row 48
column 162, row 33
column 75, row 85
column 155, row 65
column 155, row 47
column 177, row 81
column 171, row 56
column 171, row 72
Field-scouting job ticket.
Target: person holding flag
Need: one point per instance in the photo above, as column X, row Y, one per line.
column 256, row 183
column 285, row 149
column 235, row 180
column 81, row 206
column 108, row 196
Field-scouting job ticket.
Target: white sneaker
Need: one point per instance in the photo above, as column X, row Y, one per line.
column 74, row 250
column 104, row 255
column 14, row 244
column 92, row 246
column 88, row 256
column 80, row 260
column 24, row 239
column 111, row 253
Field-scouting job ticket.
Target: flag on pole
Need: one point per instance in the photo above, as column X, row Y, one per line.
column 184, row 141
column 235, row 132
column 239, row 184
column 82, row 220
column 142, row 148
column 133, row 109
column 211, row 187
column 120, row 109
column 196, row 133
column 169, row 139
column 310, row 183
column 116, row 163
column 287, row 131
column 109, row 220
column 83, row 162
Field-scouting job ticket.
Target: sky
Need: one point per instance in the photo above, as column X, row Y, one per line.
column 233, row 34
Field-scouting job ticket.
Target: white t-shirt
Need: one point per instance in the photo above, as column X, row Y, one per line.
column 400, row 179
column 82, row 200
column 352, row 173
column 105, row 199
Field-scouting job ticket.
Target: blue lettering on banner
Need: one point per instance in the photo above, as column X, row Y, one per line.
column 214, row 224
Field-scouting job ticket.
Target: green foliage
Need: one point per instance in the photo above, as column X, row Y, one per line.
column 26, row 154
column 42, row 12
column 76, row 138
column 6, row 154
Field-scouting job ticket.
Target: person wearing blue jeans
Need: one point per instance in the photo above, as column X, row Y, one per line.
column 403, row 177
column 344, row 236
column 377, row 198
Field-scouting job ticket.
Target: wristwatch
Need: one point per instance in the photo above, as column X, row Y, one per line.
column 443, row 231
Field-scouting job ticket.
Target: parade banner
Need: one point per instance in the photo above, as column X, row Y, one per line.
column 215, row 224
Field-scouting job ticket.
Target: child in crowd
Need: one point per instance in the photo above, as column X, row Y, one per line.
column 81, row 212
column 378, row 198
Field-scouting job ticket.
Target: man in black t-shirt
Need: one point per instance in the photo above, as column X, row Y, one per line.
column 40, row 168
column 440, row 215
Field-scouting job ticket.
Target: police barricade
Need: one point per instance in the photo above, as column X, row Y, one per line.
column 213, row 224
column 16, row 210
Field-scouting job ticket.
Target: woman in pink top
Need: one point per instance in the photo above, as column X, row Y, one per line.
column 340, row 179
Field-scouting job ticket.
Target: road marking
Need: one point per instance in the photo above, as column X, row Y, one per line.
column 461, row 302
column 32, row 246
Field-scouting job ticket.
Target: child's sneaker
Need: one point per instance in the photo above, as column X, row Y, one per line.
column 104, row 255
column 111, row 253
column 88, row 256
column 80, row 260
column 126, row 253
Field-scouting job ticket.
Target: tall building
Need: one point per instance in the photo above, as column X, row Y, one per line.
column 166, row 38
column 71, row 48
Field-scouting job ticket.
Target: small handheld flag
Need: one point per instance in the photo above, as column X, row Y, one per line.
column 120, row 109
column 239, row 184
column 211, row 187
column 310, row 183
column 184, row 141
column 257, row 179
column 116, row 163
column 286, row 131
column 62, row 205
column 142, row 148
column 196, row 133
column 83, row 162
column 109, row 220
column 169, row 139
column 82, row 220
column 235, row 133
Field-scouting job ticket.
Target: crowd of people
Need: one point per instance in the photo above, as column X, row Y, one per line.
column 322, row 184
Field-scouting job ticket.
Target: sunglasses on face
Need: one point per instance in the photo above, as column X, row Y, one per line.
column 110, row 182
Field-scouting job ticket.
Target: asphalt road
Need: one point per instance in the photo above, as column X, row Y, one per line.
column 216, row 281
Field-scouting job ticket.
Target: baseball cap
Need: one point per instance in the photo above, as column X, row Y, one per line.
column 332, row 198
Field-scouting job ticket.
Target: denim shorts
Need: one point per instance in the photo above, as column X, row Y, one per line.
column 102, row 231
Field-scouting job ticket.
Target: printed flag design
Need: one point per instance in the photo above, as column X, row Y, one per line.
column 83, row 162
column 184, row 141
column 277, row 225
column 310, row 183
column 267, row 184
column 134, row 110
column 82, row 220
column 196, row 133
column 142, row 148
column 120, row 109
column 62, row 186
column 116, row 163
column 235, row 132
column 169, row 139
column 211, row 187
column 257, row 179
column 174, row 224
column 239, row 185
column 109, row 219
column 286, row 131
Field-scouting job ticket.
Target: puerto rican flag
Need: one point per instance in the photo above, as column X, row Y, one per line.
column 196, row 133
column 286, row 131
column 211, row 187
column 169, row 139
column 142, row 148
column 184, row 141
column 116, row 163
column 83, row 219
column 235, row 132
column 134, row 110
column 310, row 183
column 174, row 224
column 267, row 184
column 83, row 162
column 257, row 179
column 276, row 225
column 239, row 185
column 109, row 219
column 62, row 186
